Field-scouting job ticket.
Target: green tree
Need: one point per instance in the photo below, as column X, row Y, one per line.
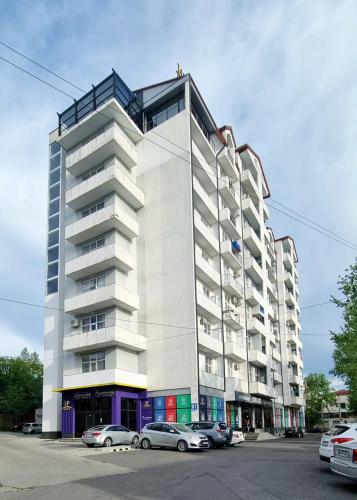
column 345, row 352
column 20, row 384
column 318, row 394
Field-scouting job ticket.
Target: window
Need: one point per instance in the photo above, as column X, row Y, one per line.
column 155, row 427
column 53, row 222
column 167, row 428
column 93, row 172
column 93, row 322
column 93, row 283
column 55, row 176
column 53, row 238
column 230, row 368
column 53, row 208
column 165, row 112
column 55, row 191
column 52, row 286
column 52, row 254
column 209, row 365
column 93, row 362
column 55, row 162
column 52, row 270
column 54, row 148
column 92, row 208
column 92, row 245
column 343, row 405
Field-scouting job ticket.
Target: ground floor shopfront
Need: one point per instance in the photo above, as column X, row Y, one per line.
column 257, row 414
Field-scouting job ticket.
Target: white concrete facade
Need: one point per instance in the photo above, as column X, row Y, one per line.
column 165, row 265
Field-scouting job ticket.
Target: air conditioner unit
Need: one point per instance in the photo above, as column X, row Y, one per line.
column 75, row 323
column 236, row 366
column 202, row 321
column 236, row 301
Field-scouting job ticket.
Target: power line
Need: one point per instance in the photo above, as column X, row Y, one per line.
column 180, row 157
column 316, row 305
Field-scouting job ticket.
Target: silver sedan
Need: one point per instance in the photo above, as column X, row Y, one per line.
column 107, row 435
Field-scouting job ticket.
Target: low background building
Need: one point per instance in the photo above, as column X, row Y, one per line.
column 340, row 411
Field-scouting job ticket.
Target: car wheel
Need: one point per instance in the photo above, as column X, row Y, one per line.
column 107, row 442
column 145, row 444
column 90, row 445
column 211, row 443
column 182, row 446
column 33, row 432
column 135, row 440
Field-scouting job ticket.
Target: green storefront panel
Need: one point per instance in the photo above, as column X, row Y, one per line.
column 183, row 416
column 214, row 403
column 183, row 401
column 233, row 419
column 214, row 415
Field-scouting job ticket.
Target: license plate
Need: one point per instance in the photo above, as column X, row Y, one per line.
column 342, row 453
column 324, row 443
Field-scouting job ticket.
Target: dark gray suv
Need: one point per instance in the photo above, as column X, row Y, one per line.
column 217, row 433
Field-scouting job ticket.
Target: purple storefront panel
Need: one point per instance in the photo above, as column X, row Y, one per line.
column 146, row 412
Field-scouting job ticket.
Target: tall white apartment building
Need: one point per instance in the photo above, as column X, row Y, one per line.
column 168, row 297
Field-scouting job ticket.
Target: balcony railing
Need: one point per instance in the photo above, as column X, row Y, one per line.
column 112, row 86
column 203, row 127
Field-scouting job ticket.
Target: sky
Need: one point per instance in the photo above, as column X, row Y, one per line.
column 281, row 73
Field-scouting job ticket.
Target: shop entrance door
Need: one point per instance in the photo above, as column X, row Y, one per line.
column 91, row 412
column 128, row 413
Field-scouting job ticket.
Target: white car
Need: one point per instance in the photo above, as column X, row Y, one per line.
column 341, row 433
column 237, row 437
column 344, row 461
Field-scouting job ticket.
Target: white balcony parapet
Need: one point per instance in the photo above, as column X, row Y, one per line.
column 230, row 223
column 259, row 389
column 203, row 171
column 209, row 307
column 111, row 179
column 211, row 380
column 206, row 272
column 251, row 212
column 205, row 237
column 253, row 296
column 252, row 240
column 104, row 337
column 226, row 160
column 234, row 259
column 210, row 342
column 254, row 269
column 110, row 217
column 277, row 378
column 257, row 357
column 249, row 181
column 111, row 141
column 99, row 260
column 232, row 286
column 276, row 355
column 77, row 379
column 102, row 298
column 233, row 385
column 203, row 203
column 233, row 319
column 296, row 401
column 255, row 326
column 229, row 192
column 235, row 351
column 293, row 358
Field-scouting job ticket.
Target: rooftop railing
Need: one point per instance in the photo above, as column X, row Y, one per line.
column 112, row 86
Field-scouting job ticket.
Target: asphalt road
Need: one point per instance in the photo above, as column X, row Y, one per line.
column 280, row 469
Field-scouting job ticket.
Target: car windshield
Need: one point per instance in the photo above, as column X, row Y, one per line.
column 182, row 428
column 98, row 428
column 338, row 429
column 27, row 425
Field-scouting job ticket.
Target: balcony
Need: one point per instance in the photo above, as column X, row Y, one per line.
column 211, row 380
column 294, row 379
column 273, row 291
column 235, row 385
column 226, row 161
column 204, row 172
column 203, row 203
column 102, row 298
column 289, row 280
column 234, row 259
column 250, row 183
column 259, row 389
column 208, row 308
column 296, row 401
column 272, row 274
column 255, row 326
column 99, row 260
column 253, row 296
column 277, row 378
column 202, row 137
column 230, row 223
column 205, row 237
column 110, row 217
column 229, row 193
column 257, row 357
column 211, row 343
column 289, row 298
column 288, row 261
column 292, row 336
column 291, row 317
column 252, row 240
column 276, row 355
column 111, row 179
column 232, row 286
column 77, row 379
column 110, row 141
column 293, row 358
column 206, row 272
column 251, row 212
column 235, row 351
column 233, row 319
column 253, row 268
column 102, row 338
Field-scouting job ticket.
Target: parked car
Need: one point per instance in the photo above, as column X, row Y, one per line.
column 107, row 435
column 32, row 428
column 341, row 433
column 171, row 435
column 237, row 436
column 216, row 433
column 294, row 432
column 344, row 460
